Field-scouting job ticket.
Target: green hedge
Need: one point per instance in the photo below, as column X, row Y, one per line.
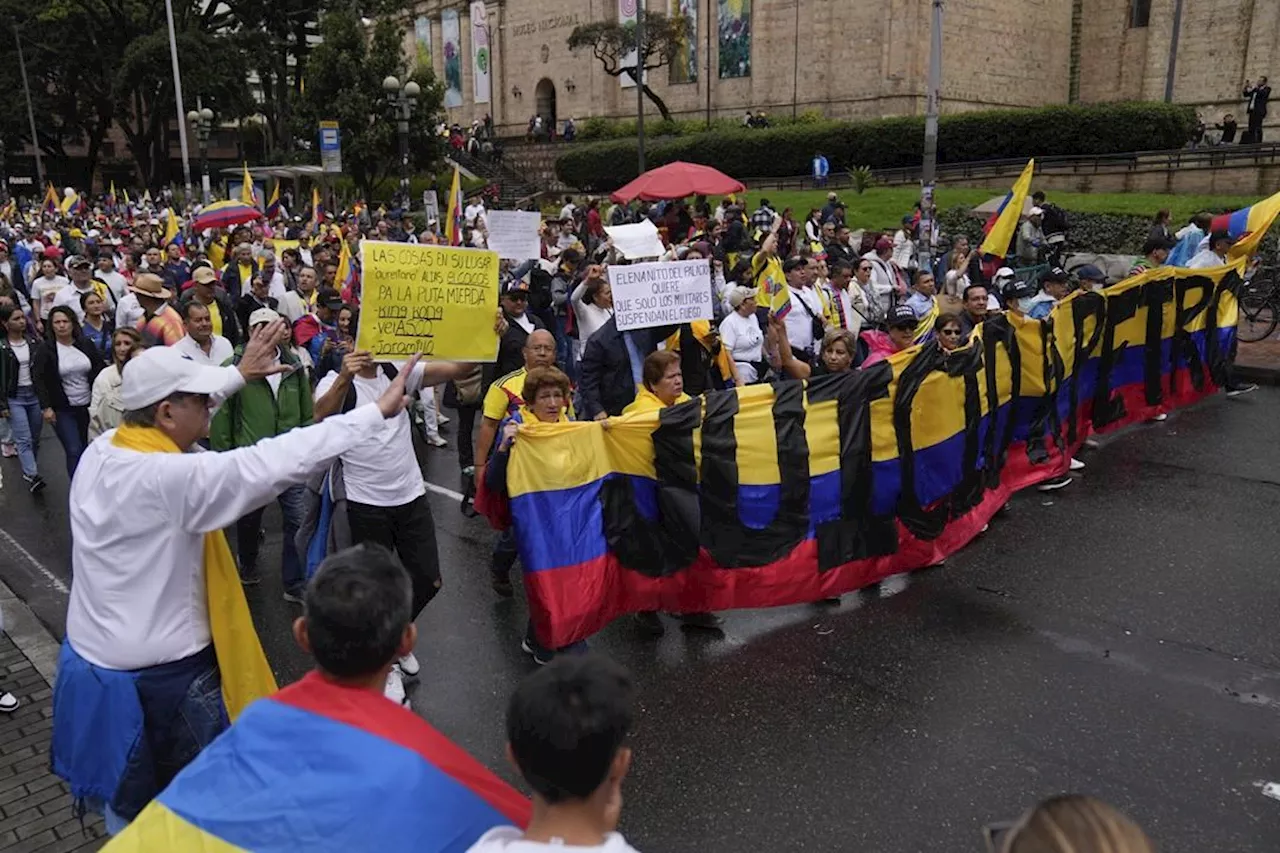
column 788, row 150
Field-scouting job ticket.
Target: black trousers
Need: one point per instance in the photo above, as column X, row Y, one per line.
column 1255, row 126
column 466, row 443
column 409, row 531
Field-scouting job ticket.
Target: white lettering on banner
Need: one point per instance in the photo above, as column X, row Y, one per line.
column 660, row 294
column 513, row 234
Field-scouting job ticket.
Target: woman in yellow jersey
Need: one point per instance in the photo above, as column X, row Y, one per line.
column 664, row 386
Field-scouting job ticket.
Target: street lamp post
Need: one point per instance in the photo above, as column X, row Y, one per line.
column 402, row 100
column 202, row 121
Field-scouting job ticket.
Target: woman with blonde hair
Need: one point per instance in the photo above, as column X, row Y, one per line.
column 105, row 406
column 1071, row 823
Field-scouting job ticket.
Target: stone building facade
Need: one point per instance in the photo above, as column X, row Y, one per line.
column 863, row 58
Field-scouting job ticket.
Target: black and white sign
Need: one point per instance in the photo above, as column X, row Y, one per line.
column 660, row 294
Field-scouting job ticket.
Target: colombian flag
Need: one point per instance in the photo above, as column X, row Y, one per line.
column 111, row 198
column 453, row 225
column 317, row 211
column 248, row 192
column 1248, row 225
column 171, row 233
column 321, row 767
column 71, row 205
column 50, row 200
column 273, row 206
column 1004, row 224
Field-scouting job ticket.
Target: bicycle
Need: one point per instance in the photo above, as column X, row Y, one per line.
column 1259, row 303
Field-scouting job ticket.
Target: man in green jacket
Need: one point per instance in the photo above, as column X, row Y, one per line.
column 262, row 409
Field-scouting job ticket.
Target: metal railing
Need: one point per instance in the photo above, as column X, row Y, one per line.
column 1267, row 153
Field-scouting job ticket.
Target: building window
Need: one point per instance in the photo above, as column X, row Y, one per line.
column 1139, row 13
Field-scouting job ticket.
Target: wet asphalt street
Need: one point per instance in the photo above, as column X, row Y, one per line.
column 1118, row 638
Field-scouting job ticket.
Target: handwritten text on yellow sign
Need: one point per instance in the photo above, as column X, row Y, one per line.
column 436, row 300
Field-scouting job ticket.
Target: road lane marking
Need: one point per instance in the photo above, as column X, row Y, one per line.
column 54, row 580
column 1269, row 789
column 441, row 490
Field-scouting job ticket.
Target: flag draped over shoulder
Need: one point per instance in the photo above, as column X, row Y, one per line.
column 1005, row 226
column 322, row 767
column 1248, row 225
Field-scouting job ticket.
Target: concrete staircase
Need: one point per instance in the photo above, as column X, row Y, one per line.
column 514, row 189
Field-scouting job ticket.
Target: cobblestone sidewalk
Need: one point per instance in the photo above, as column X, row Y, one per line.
column 35, row 805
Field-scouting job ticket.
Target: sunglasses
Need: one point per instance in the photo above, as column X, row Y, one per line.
column 864, row 269
column 951, row 332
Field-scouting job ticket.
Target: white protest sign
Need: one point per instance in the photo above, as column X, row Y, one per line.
column 513, row 234
column 660, row 294
column 636, row 241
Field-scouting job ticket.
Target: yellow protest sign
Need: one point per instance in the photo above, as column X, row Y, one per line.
column 436, row 300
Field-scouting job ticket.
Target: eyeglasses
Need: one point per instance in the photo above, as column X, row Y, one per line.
column 864, row 269
column 951, row 332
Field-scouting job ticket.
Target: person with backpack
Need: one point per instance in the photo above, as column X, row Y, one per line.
column 265, row 408
column 386, row 501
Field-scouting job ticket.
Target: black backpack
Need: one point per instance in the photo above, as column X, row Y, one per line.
column 349, row 402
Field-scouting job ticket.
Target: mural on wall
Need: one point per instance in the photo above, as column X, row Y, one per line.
column 481, row 54
column 684, row 67
column 735, row 38
column 422, row 40
column 627, row 15
column 452, row 58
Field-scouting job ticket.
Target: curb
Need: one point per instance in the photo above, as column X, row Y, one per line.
column 1258, row 373
column 27, row 632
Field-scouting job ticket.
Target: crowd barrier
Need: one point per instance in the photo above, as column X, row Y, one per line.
column 790, row 492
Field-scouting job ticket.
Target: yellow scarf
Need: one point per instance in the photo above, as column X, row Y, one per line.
column 246, row 675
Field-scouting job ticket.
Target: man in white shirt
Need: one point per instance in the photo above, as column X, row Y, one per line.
column 272, row 274
column 386, row 499
column 139, row 691
column 1214, row 254
column 295, row 304
column 81, row 270
column 566, row 212
column 107, row 274
column 806, row 307
column 476, row 208
column 884, row 279
column 200, row 344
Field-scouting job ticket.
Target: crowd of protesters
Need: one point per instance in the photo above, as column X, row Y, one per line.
column 128, row 336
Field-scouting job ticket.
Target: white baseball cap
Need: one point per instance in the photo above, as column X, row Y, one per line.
column 262, row 315
column 161, row 371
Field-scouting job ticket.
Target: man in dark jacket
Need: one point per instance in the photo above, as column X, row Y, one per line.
column 205, row 290
column 1256, row 107
column 610, row 367
column 253, row 300
column 520, row 323
column 239, row 271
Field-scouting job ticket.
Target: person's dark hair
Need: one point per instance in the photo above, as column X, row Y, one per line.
column 84, row 298
column 837, row 265
column 13, row 306
column 356, row 609
column 1162, row 215
column 566, row 722
column 1202, row 220
column 592, row 290
column 541, row 377
column 70, row 314
column 975, row 286
column 1037, row 197
column 185, row 308
column 655, row 366
column 1154, row 244
column 947, row 317
column 793, row 264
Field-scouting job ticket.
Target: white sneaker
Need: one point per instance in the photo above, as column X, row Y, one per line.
column 394, row 689
column 442, row 419
column 8, row 703
column 1092, row 443
column 1163, row 416
column 437, row 441
column 409, row 665
column 1076, row 465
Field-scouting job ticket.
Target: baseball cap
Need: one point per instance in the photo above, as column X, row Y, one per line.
column 1154, row 244
column 794, row 264
column 1221, row 235
column 1057, row 274
column 329, row 298
column 203, row 275
column 516, row 287
column 1089, row 272
column 79, row 261
column 159, row 372
column 1003, row 273
column 901, row 315
column 262, row 315
column 1017, row 289
column 51, row 252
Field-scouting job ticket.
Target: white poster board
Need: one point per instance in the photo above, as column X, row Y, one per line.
column 636, row 241
column 513, row 234
column 660, row 294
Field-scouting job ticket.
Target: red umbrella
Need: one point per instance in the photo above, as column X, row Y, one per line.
column 224, row 214
column 677, row 180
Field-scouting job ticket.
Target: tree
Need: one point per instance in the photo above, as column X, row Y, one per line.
column 344, row 75
column 612, row 42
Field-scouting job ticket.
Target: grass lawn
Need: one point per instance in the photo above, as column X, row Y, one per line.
column 883, row 207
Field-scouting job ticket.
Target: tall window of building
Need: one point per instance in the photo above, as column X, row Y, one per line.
column 1139, row 13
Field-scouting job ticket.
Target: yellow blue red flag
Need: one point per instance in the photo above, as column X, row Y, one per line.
column 1004, row 225
column 453, row 224
column 1248, row 225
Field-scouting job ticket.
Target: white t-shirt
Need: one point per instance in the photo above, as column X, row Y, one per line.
column 22, row 352
column 474, row 210
column 70, row 297
column 743, row 337
column 524, row 322
column 508, row 839
column 114, row 281
column 73, row 367
column 382, row 470
column 44, row 290
column 128, row 311
column 219, row 350
column 799, row 322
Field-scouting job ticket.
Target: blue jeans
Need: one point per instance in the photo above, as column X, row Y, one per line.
column 292, row 506
column 26, row 421
column 72, row 429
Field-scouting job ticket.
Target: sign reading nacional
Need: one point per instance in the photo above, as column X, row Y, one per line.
column 542, row 25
